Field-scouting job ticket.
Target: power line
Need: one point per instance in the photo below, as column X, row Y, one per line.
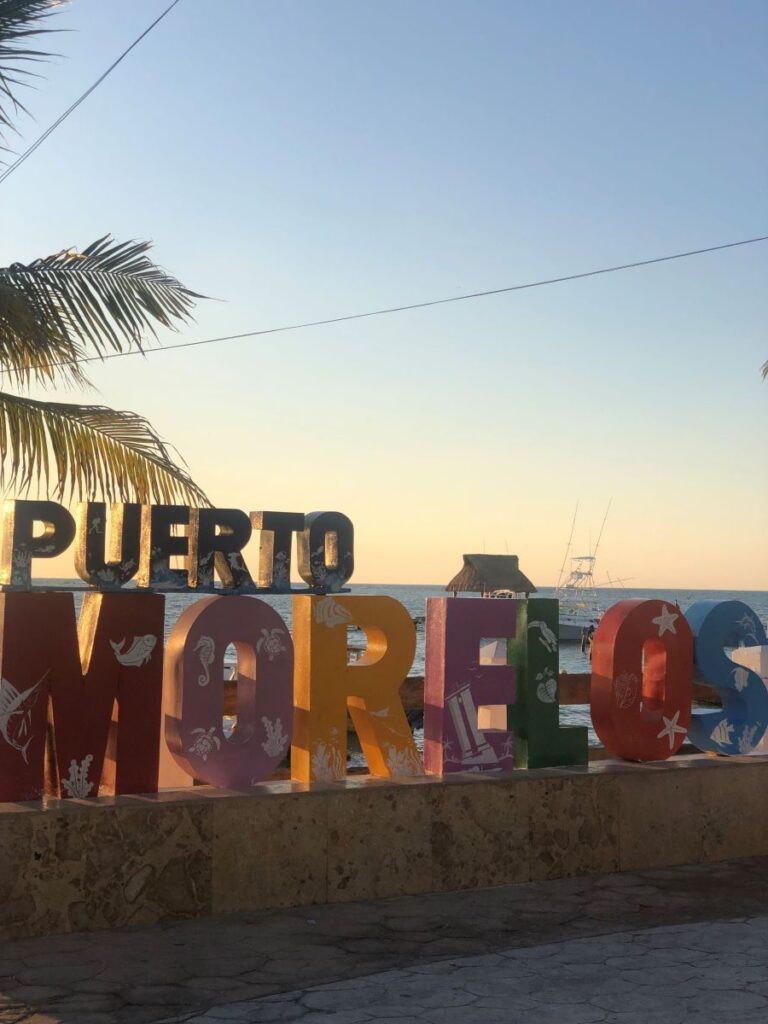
column 401, row 309
column 52, row 128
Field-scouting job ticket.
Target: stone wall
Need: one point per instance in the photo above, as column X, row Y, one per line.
column 107, row 862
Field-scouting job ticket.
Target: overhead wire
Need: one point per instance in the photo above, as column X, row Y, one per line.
column 71, row 109
column 401, row 309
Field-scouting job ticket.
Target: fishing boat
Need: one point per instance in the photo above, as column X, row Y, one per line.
column 579, row 604
column 580, row 609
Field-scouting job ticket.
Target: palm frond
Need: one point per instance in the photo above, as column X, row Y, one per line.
column 20, row 21
column 90, row 451
column 765, row 370
column 107, row 297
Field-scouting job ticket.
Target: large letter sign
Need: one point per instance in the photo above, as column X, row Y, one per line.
column 457, row 685
column 539, row 740
column 739, row 725
column 113, row 660
column 326, row 686
column 194, row 691
column 642, row 661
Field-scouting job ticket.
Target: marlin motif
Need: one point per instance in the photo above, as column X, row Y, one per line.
column 138, row 653
column 16, row 714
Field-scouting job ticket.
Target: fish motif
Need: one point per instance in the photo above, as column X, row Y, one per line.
column 721, row 734
column 205, row 649
column 138, row 653
column 16, row 715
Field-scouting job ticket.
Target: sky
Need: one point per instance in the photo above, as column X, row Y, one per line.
column 302, row 160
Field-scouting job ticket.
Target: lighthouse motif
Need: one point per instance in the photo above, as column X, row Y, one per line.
column 475, row 748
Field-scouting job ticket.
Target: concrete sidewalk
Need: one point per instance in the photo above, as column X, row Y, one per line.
column 663, row 946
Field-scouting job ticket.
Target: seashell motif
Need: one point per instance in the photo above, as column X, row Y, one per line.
column 626, row 688
column 547, row 691
column 329, row 613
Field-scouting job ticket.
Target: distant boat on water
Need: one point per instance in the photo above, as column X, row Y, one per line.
column 580, row 610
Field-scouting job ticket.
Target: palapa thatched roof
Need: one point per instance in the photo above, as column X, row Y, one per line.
column 482, row 574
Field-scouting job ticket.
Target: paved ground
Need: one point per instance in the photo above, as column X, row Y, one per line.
column 658, row 947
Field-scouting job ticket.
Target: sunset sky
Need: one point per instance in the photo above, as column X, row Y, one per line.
column 300, row 160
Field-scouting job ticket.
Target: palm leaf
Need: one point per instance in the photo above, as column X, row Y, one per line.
column 765, row 370
column 90, row 450
column 20, row 20
column 106, row 297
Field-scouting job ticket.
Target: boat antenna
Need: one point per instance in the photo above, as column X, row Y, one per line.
column 599, row 536
column 567, row 546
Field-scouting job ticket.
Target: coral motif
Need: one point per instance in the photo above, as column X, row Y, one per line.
column 330, row 613
column 21, row 561
column 327, row 764
column 271, row 643
column 626, row 688
column 106, row 575
column 276, row 740
column 402, row 760
column 204, row 743
column 546, row 690
column 748, row 627
column 747, row 738
column 740, row 677
column 16, row 715
column 448, row 756
column 546, row 637
column 207, row 652
column 332, row 579
column 138, row 653
column 280, row 573
column 317, row 565
column 77, row 785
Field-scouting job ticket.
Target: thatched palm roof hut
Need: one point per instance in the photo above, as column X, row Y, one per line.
column 483, row 574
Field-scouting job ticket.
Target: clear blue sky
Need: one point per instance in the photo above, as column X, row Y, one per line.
column 299, row 160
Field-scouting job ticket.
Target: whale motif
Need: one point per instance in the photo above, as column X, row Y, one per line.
column 16, row 714
column 138, row 653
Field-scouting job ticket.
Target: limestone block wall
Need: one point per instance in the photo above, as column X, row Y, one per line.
column 108, row 862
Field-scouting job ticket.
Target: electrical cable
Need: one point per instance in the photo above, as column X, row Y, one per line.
column 401, row 309
column 52, row 128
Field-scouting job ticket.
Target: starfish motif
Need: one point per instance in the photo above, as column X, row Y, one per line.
column 670, row 728
column 665, row 621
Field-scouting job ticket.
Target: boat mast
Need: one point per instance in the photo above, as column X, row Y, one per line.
column 567, row 547
column 599, row 536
